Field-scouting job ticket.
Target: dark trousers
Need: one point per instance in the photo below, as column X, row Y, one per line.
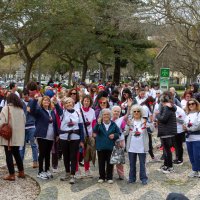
column 13, row 152
column 54, row 154
column 70, row 151
column 150, row 146
column 167, row 144
column 44, row 153
column 104, row 161
column 179, row 139
column 133, row 160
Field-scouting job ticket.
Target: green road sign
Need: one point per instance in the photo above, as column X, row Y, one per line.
column 164, row 72
column 164, row 84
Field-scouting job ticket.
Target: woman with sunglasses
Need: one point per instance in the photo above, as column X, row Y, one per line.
column 137, row 144
column 126, row 94
column 102, row 103
column 46, row 132
column 71, row 136
column 74, row 94
column 192, row 128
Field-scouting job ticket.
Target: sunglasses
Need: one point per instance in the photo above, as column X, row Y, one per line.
column 102, row 102
column 189, row 104
column 158, row 93
column 136, row 111
column 74, row 93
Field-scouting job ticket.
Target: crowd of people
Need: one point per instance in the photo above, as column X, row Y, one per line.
column 74, row 124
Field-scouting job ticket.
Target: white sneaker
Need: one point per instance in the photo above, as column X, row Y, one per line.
column 55, row 170
column 78, row 175
column 110, row 181
column 72, row 179
column 49, row 174
column 66, row 177
column 88, row 174
column 168, row 170
column 100, row 181
column 42, row 175
column 193, row 174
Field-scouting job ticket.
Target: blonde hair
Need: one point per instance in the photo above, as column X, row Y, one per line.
column 187, row 109
column 67, row 99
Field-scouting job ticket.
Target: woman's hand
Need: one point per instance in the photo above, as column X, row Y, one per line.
column 81, row 144
column 54, row 99
column 129, row 103
column 94, row 135
column 111, row 136
column 184, row 128
column 36, row 96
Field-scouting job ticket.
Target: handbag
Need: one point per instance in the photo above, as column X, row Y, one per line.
column 6, row 130
column 117, row 156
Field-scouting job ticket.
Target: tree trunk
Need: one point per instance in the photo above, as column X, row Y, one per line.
column 84, row 71
column 104, row 69
column 117, row 70
column 71, row 67
column 29, row 66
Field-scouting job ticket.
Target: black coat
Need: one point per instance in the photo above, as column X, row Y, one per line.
column 167, row 121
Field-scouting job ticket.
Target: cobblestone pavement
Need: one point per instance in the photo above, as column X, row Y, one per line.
column 159, row 186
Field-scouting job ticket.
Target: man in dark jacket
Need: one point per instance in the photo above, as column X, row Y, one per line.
column 167, row 128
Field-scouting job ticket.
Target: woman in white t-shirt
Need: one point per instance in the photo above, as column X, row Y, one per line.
column 71, row 136
column 137, row 144
column 89, row 121
column 186, row 97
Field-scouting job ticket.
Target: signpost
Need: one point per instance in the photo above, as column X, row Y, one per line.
column 164, row 79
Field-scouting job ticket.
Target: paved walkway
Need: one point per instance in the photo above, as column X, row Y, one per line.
column 160, row 185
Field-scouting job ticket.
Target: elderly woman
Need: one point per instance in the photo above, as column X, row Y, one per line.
column 192, row 128
column 121, row 123
column 106, row 133
column 71, row 136
column 137, row 144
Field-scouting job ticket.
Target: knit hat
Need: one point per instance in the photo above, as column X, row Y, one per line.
column 49, row 93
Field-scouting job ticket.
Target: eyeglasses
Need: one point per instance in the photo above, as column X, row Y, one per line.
column 136, row 111
column 102, row 102
column 189, row 104
column 74, row 93
column 157, row 93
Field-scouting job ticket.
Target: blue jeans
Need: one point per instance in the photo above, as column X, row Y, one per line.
column 133, row 160
column 29, row 136
column 194, row 154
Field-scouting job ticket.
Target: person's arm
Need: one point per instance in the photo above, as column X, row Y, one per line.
column 35, row 109
column 80, row 125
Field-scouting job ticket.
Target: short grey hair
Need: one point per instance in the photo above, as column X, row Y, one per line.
column 137, row 107
column 114, row 107
column 106, row 110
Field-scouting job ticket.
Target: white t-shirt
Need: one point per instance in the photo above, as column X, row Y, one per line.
column 137, row 143
column 89, row 118
column 70, row 121
column 107, row 126
column 139, row 100
column 180, row 114
column 50, row 131
column 119, row 122
column 77, row 106
column 183, row 103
